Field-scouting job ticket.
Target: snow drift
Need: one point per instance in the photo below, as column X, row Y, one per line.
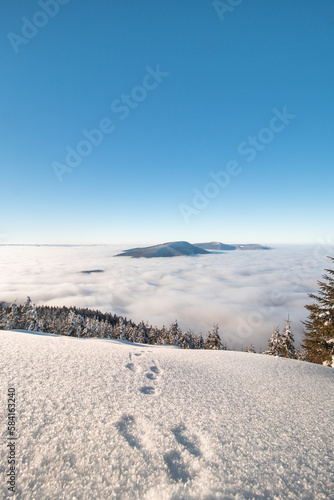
column 106, row 419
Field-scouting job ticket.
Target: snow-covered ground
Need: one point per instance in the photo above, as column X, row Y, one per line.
column 104, row 419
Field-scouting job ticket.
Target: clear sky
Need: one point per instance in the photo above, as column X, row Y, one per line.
column 215, row 121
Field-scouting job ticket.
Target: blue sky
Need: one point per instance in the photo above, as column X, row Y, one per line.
column 200, row 83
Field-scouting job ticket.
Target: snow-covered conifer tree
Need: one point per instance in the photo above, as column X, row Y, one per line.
column 275, row 344
column 287, row 342
column 163, row 336
column 13, row 319
column 32, row 320
column 186, row 340
column 199, row 342
column 174, row 334
column 72, row 324
column 152, row 333
column 3, row 317
column 142, row 337
column 318, row 339
column 88, row 328
column 213, row 340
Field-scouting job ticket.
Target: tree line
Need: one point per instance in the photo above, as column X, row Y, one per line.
column 78, row 322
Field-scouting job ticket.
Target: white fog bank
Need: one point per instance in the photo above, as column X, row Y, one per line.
column 247, row 293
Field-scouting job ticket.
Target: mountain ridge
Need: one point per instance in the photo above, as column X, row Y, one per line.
column 169, row 249
column 181, row 248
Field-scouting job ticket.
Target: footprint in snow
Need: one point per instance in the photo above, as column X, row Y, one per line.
column 153, row 376
column 177, row 469
column 146, row 389
column 189, row 443
column 130, row 366
column 125, row 427
column 154, row 369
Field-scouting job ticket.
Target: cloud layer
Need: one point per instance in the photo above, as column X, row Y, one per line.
column 247, row 293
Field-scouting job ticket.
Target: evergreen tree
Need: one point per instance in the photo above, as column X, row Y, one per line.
column 275, row 344
column 24, row 313
column 13, row 318
column 200, row 342
column 213, row 340
column 152, row 334
column 142, row 337
column 129, row 331
column 174, row 334
column 74, row 325
column 122, row 330
column 318, row 339
column 163, row 336
column 186, row 340
column 3, row 317
column 32, row 320
column 96, row 328
column 88, row 328
column 287, row 343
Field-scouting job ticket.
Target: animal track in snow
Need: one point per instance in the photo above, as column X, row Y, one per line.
column 189, row 443
column 125, row 427
column 177, row 469
column 154, row 369
column 151, row 375
column 147, row 389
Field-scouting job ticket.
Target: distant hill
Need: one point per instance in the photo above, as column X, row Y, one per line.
column 217, row 245
column 171, row 249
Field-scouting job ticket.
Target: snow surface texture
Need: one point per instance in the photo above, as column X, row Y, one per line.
column 105, row 419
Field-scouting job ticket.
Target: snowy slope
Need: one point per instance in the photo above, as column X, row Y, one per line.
column 110, row 420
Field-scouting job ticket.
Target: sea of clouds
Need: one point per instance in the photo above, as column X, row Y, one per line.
column 247, row 293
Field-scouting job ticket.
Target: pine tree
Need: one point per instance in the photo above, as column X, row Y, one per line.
column 213, row 340
column 153, row 334
column 32, row 320
column 186, row 340
column 74, row 324
column 3, row 316
column 275, row 344
column 318, row 339
column 163, row 336
column 129, row 331
column 88, row 328
column 287, row 342
column 122, row 330
column 142, row 337
column 13, row 318
column 174, row 334
column 200, row 342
